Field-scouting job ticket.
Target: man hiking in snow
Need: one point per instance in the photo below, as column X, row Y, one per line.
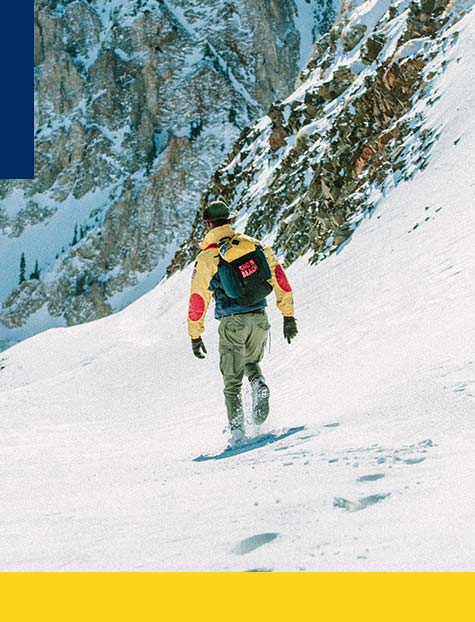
column 239, row 271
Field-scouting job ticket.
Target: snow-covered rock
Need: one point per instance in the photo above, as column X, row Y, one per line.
column 356, row 126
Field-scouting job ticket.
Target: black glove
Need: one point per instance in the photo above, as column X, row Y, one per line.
column 290, row 328
column 199, row 349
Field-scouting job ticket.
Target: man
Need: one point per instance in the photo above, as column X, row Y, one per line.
column 238, row 271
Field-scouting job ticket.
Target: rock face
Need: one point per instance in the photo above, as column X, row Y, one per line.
column 309, row 171
column 137, row 103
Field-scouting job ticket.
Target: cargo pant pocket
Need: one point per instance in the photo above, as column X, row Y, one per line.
column 227, row 362
column 264, row 325
column 263, row 328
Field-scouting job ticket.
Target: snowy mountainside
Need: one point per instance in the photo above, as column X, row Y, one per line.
column 307, row 172
column 105, row 425
column 137, row 102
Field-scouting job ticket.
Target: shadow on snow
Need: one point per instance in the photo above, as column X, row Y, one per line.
column 250, row 444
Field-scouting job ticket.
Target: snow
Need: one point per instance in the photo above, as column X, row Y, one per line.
column 370, row 12
column 129, row 57
column 107, row 9
column 307, row 21
column 90, row 57
column 101, row 424
column 304, row 22
column 9, row 205
column 46, row 239
column 179, row 15
column 238, row 87
column 37, row 322
column 116, row 137
column 145, row 281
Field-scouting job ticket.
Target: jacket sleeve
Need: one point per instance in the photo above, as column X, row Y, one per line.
column 282, row 289
column 200, row 295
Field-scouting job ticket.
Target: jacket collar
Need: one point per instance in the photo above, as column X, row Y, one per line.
column 215, row 235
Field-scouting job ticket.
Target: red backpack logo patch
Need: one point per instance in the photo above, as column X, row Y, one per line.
column 248, row 268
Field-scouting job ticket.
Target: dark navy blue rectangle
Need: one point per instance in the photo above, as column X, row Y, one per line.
column 16, row 90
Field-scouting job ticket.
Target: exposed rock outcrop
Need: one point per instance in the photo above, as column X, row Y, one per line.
column 306, row 174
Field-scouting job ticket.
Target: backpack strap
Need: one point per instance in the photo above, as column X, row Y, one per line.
column 232, row 248
column 224, row 245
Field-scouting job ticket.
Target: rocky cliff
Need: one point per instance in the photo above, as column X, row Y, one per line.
column 137, row 103
column 314, row 166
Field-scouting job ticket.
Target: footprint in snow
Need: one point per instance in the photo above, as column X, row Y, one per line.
column 254, row 542
column 361, row 504
column 370, row 478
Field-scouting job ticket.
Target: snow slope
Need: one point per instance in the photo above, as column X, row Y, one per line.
column 101, row 423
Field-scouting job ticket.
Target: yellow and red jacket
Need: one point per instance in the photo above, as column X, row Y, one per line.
column 206, row 267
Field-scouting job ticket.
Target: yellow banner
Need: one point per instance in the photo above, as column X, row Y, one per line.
column 292, row 597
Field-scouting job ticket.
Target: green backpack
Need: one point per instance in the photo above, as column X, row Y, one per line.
column 243, row 270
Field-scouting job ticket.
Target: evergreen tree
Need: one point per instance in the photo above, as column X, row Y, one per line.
column 36, row 272
column 80, row 284
column 195, row 129
column 75, row 236
column 22, row 268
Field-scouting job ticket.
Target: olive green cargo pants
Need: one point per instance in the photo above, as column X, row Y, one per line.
column 242, row 339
